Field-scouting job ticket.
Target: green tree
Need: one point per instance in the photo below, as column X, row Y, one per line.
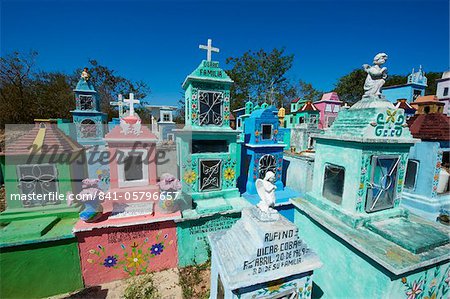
column 307, row 92
column 17, row 92
column 350, row 87
column 432, row 84
column 27, row 93
column 260, row 76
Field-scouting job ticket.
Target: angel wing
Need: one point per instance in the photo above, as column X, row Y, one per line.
column 260, row 189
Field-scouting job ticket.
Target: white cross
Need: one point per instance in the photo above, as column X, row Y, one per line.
column 209, row 48
column 131, row 101
column 120, row 104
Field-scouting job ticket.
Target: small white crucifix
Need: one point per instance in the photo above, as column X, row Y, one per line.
column 131, row 101
column 209, row 48
column 120, row 104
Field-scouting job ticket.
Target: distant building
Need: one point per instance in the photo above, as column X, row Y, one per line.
column 329, row 106
column 442, row 91
column 162, row 122
column 414, row 88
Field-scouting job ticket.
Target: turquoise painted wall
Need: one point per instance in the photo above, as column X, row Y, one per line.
column 349, row 274
column 193, row 245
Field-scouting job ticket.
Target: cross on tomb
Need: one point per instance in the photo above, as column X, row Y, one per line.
column 120, row 104
column 131, row 101
column 209, row 49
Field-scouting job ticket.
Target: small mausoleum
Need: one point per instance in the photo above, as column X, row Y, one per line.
column 353, row 210
column 329, row 106
column 414, row 88
column 209, row 160
column 36, row 238
column 263, row 152
column 271, row 261
column 308, row 123
column 162, row 122
column 133, row 236
column 87, row 117
column 427, row 176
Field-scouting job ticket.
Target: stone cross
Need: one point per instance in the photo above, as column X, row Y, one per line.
column 131, row 101
column 120, row 104
column 209, row 48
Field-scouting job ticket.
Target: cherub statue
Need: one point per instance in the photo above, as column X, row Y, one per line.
column 376, row 76
column 85, row 74
column 266, row 191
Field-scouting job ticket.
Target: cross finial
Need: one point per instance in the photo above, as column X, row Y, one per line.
column 209, row 48
column 131, row 101
column 119, row 103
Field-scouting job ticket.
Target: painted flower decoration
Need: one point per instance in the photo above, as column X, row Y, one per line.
column 135, row 260
column 256, row 133
column 190, row 176
column 414, row 291
column 157, row 249
column 275, row 131
column 194, row 106
column 391, row 115
column 229, row 173
column 447, row 280
column 194, row 115
column 110, row 261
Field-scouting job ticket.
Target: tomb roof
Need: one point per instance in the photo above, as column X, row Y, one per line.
column 85, row 85
column 45, row 133
column 426, row 99
column 403, row 104
column 330, row 96
column 208, row 71
column 309, row 106
column 432, row 126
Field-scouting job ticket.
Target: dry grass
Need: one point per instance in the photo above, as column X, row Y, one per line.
column 195, row 280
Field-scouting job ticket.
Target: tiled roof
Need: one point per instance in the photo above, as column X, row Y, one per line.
column 403, row 104
column 432, row 126
column 330, row 96
column 426, row 99
column 44, row 134
column 309, row 106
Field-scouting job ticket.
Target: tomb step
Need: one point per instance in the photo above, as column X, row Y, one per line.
column 212, row 205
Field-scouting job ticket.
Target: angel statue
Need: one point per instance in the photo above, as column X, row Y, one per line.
column 376, row 76
column 266, row 191
column 85, row 74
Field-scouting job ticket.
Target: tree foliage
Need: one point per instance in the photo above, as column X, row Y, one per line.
column 260, row 76
column 307, row 92
column 27, row 93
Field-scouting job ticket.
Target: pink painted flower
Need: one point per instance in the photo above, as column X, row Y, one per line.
column 415, row 290
column 447, row 280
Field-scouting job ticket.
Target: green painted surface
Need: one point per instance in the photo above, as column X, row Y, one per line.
column 193, row 245
column 415, row 237
column 349, row 273
column 40, row 270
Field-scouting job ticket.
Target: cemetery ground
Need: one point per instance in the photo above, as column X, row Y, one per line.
column 189, row 282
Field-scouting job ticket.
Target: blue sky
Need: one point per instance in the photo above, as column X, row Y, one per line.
column 158, row 41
